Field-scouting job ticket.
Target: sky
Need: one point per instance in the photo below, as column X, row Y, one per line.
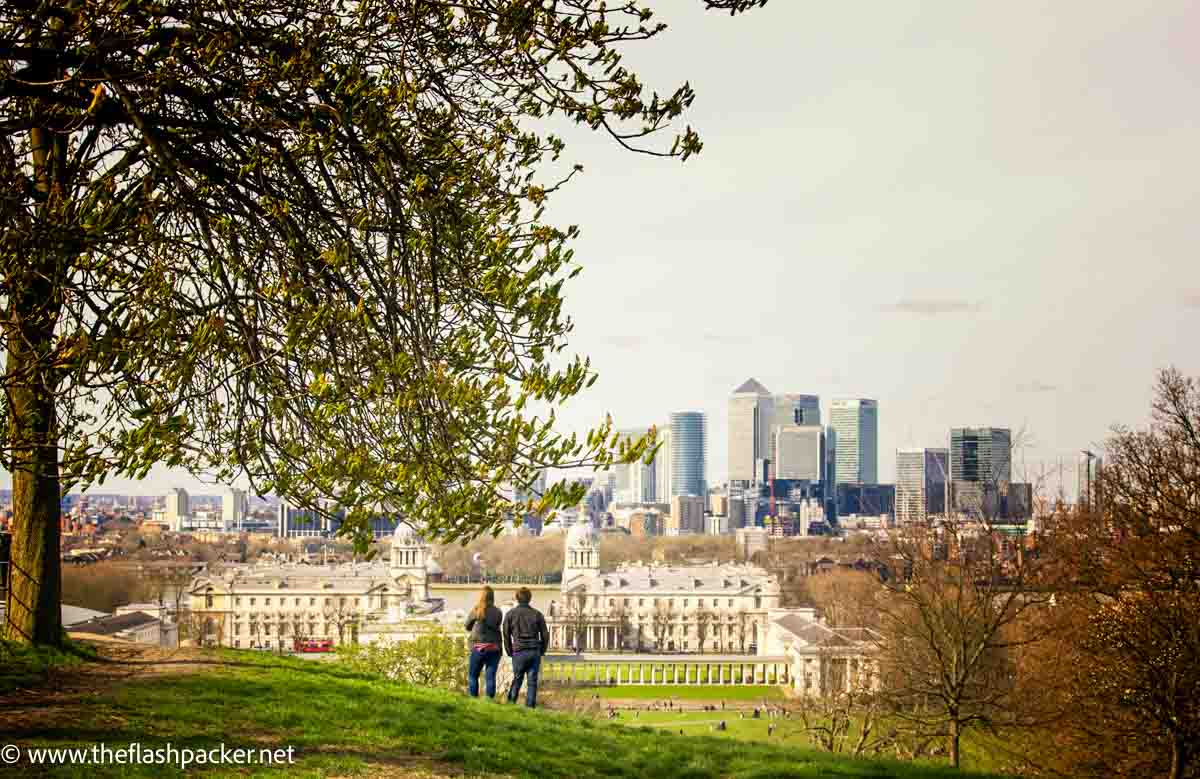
column 977, row 214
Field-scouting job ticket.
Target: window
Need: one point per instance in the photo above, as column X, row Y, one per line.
column 312, row 601
column 297, row 601
column 656, row 601
column 700, row 603
column 266, row 601
column 685, row 602
column 627, row 601
column 208, row 598
column 612, row 602
column 252, row 601
column 342, row 601
column 237, row 601
column 731, row 603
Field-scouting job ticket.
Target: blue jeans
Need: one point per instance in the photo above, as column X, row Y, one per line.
column 526, row 662
column 489, row 660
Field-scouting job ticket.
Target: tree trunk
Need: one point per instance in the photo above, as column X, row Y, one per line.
column 33, row 602
column 1179, row 761
column 955, row 735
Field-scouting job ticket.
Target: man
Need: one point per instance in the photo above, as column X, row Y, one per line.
column 525, row 641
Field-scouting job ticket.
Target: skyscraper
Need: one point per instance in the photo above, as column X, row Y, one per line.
column 855, row 422
column 633, row 482
column 1087, row 471
column 662, row 466
column 800, row 452
column 179, row 509
column 233, row 508
column 792, row 409
column 980, row 469
column 981, row 455
column 921, row 476
column 688, row 453
column 751, row 409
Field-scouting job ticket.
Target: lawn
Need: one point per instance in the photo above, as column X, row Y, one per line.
column 340, row 723
column 706, row 692
column 24, row 666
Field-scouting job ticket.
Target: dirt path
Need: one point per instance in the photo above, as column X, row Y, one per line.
column 68, row 690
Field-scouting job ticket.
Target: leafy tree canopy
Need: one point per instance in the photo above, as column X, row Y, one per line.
column 301, row 242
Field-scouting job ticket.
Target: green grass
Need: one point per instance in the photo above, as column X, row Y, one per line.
column 706, row 692
column 29, row 666
column 345, row 724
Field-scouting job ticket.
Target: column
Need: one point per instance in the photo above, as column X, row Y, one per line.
column 675, row 678
column 721, row 675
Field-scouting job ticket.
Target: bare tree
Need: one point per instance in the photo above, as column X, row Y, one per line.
column 950, row 625
column 662, row 619
column 577, row 618
column 743, row 629
column 1130, row 656
column 846, row 598
column 705, row 620
column 343, row 615
column 621, row 622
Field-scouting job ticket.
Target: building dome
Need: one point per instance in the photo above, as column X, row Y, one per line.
column 407, row 535
column 582, row 534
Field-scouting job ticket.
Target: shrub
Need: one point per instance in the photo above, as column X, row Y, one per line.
column 434, row 659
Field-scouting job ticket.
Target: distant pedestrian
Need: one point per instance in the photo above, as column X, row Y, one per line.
column 484, row 624
column 525, row 641
column 770, row 730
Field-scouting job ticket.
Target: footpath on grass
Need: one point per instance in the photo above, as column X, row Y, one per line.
column 140, row 711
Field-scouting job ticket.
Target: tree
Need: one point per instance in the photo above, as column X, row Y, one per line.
column 621, row 622
column 300, row 245
column 1130, row 670
column 846, row 598
column 662, row 620
column 706, row 621
column 952, row 617
column 576, row 618
column 343, row 615
column 743, row 626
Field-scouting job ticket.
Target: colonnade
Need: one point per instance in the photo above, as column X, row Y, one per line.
column 666, row 669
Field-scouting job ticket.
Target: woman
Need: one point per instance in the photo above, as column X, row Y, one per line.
column 484, row 624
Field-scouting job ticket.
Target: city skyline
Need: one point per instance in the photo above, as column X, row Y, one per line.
column 965, row 213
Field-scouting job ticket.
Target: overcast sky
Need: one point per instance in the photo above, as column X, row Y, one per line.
column 977, row 214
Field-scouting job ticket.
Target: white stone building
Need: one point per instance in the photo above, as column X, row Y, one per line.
column 670, row 608
column 271, row 606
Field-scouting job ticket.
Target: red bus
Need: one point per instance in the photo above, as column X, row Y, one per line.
column 313, row 645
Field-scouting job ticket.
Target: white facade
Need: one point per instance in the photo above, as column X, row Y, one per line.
column 664, row 607
column 272, row 605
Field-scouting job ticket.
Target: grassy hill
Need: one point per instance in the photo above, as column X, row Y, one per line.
column 343, row 724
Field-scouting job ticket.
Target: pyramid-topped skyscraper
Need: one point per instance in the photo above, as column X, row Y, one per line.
column 751, row 408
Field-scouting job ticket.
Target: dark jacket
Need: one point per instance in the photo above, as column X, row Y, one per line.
column 525, row 628
column 486, row 630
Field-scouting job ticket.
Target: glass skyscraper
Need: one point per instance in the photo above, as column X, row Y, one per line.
column 688, row 452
